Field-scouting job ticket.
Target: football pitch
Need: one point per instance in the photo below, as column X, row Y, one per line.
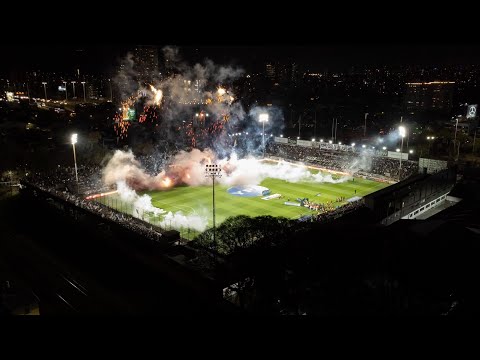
column 198, row 200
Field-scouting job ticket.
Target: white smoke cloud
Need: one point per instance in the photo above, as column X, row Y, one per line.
column 189, row 168
column 250, row 171
column 141, row 204
column 178, row 221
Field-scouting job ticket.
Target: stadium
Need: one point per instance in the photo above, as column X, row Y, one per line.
column 332, row 182
column 273, row 196
column 192, row 130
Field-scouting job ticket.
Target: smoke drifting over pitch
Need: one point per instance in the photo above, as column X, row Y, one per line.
column 188, row 168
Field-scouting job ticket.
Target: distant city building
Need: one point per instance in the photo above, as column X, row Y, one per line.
column 282, row 73
column 146, row 63
column 433, row 95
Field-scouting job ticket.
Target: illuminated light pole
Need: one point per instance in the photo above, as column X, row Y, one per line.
column 111, row 92
column 213, row 171
column 402, row 131
column 429, row 139
column 73, row 85
column 66, row 96
column 45, row 89
column 84, row 96
column 74, row 141
column 263, row 118
column 10, row 173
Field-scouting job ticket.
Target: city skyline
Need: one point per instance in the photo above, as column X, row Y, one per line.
column 316, row 57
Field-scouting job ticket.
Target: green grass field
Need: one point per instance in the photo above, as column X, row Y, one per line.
column 191, row 200
column 198, row 200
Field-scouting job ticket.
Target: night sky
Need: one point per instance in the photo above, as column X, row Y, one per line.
column 97, row 57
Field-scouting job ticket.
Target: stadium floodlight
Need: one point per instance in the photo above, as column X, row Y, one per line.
column 84, row 95
column 213, row 171
column 74, row 141
column 263, row 118
column 403, row 132
column 45, row 88
column 329, row 141
column 66, row 95
column 384, row 148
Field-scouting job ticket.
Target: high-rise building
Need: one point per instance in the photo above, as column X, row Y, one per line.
column 433, row 95
column 282, row 73
column 146, row 62
column 270, row 71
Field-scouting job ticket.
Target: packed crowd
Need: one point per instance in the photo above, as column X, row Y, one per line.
column 337, row 212
column 391, row 167
column 344, row 161
column 59, row 182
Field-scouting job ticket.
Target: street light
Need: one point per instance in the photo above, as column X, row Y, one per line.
column 410, row 151
column 263, row 118
column 330, row 141
column 10, row 173
column 84, row 97
column 66, row 96
column 402, row 131
column 111, row 93
column 353, row 144
column 73, row 84
column 74, row 141
column 384, row 148
column 45, row 88
column 213, row 171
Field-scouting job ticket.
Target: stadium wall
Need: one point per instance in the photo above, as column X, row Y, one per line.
column 399, row 200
